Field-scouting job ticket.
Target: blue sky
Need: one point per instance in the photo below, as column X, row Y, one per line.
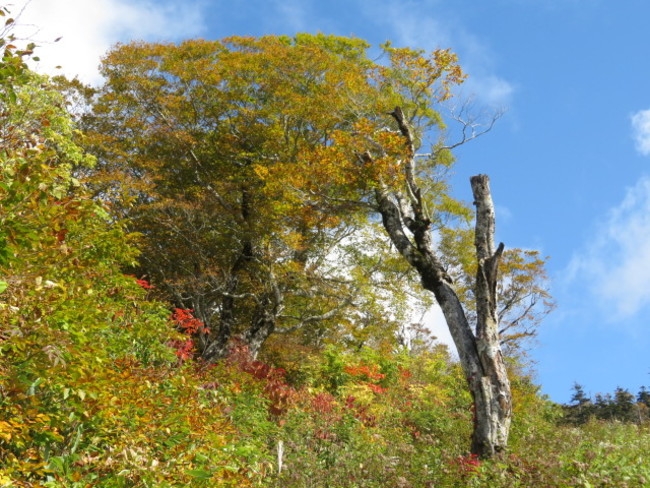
column 569, row 161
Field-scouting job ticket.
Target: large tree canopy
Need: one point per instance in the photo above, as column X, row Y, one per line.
column 242, row 164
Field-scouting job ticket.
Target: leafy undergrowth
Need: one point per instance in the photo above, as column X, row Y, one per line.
column 337, row 419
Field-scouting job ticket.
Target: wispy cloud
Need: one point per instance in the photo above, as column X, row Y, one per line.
column 89, row 28
column 293, row 14
column 428, row 25
column 641, row 131
column 411, row 26
column 616, row 265
column 503, row 213
column 490, row 89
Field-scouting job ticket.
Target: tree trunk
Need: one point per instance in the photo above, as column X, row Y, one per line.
column 219, row 340
column 270, row 304
column 263, row 322
column 479, row 353
column 492, row 397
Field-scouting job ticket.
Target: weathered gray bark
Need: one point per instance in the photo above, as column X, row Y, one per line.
column 494, row 397
column 479, row 352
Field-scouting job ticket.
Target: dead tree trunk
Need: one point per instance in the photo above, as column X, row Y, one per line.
column 492, row 398
column 407, row 224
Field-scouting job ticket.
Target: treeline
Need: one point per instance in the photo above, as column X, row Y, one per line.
column 620, row 406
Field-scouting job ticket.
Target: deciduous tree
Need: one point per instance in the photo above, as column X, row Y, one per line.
column 233, row 160
column 251, row 165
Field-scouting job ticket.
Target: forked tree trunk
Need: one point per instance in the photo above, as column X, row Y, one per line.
column 492, row 397
column 479, row 352
column 270, row 304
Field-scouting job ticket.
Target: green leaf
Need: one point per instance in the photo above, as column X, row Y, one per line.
column 3, row 286
column 200, row 474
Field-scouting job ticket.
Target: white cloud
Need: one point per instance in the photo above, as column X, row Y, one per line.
column 641, row 131
column 616, row 265
column 503, row 213
column 89, row 28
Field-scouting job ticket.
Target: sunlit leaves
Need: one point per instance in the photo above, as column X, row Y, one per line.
column 524, row 298
column 66, row 310
column 243, row 164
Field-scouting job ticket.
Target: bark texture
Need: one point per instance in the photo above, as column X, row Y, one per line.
column 493, row 398
column 407, row 224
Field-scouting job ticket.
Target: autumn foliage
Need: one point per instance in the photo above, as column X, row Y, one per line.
column 192, row 292
column 241, row 164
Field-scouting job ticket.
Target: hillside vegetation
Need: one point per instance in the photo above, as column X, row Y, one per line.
column 104, row 376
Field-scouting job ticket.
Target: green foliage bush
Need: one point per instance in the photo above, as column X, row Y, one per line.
column 90, row 392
